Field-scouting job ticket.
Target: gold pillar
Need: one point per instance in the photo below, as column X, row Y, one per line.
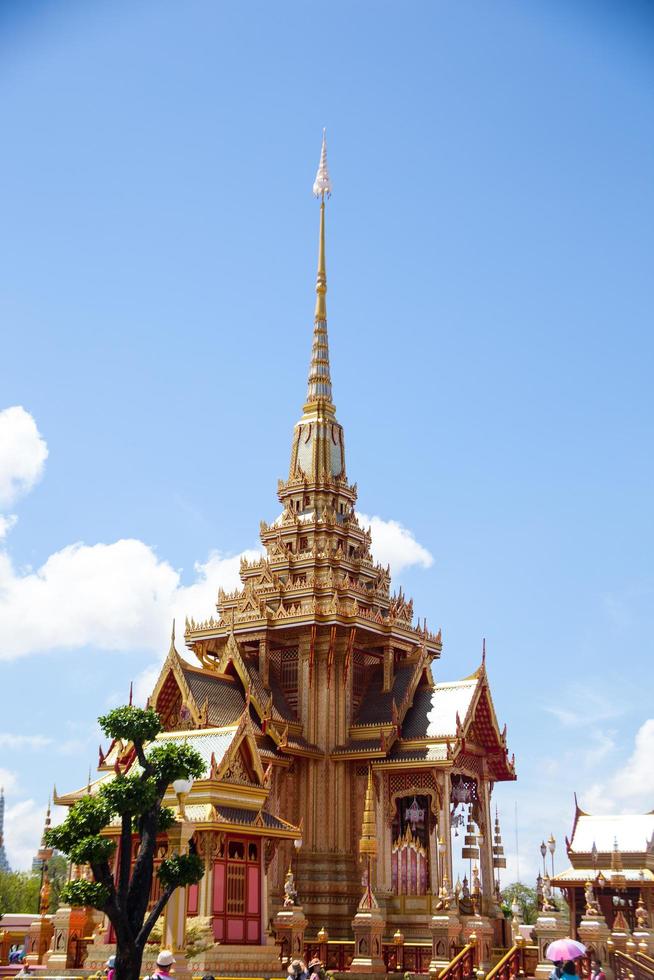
column 174, row 927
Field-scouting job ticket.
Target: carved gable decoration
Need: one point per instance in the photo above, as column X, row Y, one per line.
column 237, row 770
column 242, row 762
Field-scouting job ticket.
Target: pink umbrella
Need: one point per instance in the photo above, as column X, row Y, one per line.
column 564, row 949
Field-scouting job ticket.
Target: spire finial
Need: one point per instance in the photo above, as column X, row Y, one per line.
column 320, row 385
column 322, row 184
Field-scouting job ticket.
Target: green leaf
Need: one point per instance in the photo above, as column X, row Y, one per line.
column 85, row 893
column 171, row 761
column 132, row 794
column 92, row 850
column 181, row 870
column 131, row 724
column 166, row 818
column 86, row 818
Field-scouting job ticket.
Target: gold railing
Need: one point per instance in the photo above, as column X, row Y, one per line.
column 627, row 967
column 463, row 964
column 512, row 963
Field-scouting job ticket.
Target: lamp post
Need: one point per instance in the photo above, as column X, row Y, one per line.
column 297, row 844
column 551, row 846
column 543, row 852
column 440, row 847
column 182, row 788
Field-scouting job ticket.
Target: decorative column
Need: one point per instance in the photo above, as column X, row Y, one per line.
column 369, row 922
column 550, row 925
column 41, row 929
column 69, row 924
column 516, row 919
column 642, row 933
column 174, row 926
column 39, row 938
column 486, row 853
column 291, row 922
column 593, row 930
column 445, row 927
column 208, row 845
column 446, row 830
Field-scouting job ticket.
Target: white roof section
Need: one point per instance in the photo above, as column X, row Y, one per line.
column 633, row 832
column 590, row 874
column 206, row 741
column 448, row 700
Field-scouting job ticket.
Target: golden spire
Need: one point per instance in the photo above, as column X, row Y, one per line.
column 368, row 839
column 320, row 385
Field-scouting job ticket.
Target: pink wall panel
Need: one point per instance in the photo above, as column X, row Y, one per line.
column 235, row 930
column 219, row 887
column 253, row 890
column 192, row 900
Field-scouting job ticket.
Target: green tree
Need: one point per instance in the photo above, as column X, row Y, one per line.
column 135, row 798
column 19, row 892
column 527, row 900
column 58, row 875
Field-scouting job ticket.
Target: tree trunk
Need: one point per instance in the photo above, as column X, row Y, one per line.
column 128, row 961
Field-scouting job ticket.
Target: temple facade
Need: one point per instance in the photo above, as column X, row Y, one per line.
column 312, row 681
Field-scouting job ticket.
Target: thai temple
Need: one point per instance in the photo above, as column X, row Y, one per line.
column 347, row 796
column 609, row 888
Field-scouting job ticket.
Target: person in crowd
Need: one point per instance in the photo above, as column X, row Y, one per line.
column 297, row 970
column 557, row 970
column 110, row 966
column 163, row 969
column 569, row 970
column 596, row 971
column 315, row 969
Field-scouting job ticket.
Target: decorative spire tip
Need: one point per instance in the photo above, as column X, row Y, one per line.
column 322, row 184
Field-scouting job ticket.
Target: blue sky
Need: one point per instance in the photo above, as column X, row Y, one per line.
column 489, row 249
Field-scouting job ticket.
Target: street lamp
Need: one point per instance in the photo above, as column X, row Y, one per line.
column 543, row 852
column 297, row 844
column 182, row 788
column 551, row 846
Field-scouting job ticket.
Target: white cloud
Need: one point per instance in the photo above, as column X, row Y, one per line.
column 596, row 705
column 394, row 545
column 23, row 453
column 119, row 596
column 10, row 741
column 631, row 787
column 122, row 595
column 7, row 521
column 8, row 780
column 23, row 829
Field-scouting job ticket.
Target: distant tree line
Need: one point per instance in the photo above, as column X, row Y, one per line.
column 19, row 890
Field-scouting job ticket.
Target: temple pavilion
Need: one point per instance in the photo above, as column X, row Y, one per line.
column 615, row 854
column 307, row 680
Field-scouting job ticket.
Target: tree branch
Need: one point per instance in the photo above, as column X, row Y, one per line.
column 125, row 859
column 148, row 925
column 140, row 755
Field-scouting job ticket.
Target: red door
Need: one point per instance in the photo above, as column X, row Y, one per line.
column 237, row 891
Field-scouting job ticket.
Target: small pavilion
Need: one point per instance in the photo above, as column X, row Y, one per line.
column 615, row 853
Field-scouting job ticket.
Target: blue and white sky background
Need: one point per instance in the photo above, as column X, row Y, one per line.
column 489, row 248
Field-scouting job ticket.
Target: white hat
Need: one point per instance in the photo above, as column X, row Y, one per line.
column 165, row 958
column 111, row 962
